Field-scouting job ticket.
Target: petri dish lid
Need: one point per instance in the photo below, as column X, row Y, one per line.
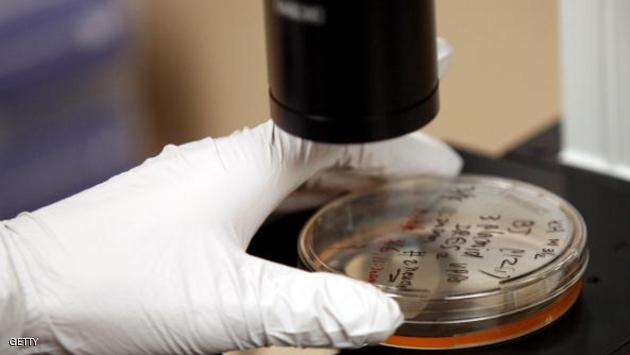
column 459, row 249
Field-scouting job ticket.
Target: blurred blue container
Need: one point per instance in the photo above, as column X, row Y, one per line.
column 67, row 113
column 49, row 43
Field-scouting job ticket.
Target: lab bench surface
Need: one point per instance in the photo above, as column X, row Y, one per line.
column 599, row 322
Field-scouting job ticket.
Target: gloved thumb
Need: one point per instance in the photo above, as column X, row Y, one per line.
column 261, row 166
column 302, row 309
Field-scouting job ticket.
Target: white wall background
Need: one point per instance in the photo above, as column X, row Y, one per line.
column 595, row 51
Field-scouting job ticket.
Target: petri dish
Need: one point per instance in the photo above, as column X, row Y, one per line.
column 471, row 260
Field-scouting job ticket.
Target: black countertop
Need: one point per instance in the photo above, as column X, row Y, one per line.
column 599, row 322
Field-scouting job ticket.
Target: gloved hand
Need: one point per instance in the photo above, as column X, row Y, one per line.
column 153, row 260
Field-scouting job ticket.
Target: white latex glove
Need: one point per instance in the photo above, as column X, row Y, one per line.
column 153, row 260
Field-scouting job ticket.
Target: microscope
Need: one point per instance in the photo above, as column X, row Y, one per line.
column 351, row 71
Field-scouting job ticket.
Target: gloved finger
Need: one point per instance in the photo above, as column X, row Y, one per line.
column 412, row 154
column 249, row 173
column 302, row 309
column 445, row 55
column 371, row 164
